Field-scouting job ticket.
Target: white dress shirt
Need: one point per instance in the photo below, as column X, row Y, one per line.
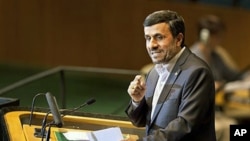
column 163, row 70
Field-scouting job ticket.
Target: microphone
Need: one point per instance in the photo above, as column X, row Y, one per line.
column 54, row 110
column 88, row 102
column 57, row 116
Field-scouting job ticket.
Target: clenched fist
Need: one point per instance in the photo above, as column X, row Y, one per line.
column 137, row 88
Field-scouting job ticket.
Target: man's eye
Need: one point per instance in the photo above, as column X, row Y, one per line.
column 147, row 38
column 159, row 37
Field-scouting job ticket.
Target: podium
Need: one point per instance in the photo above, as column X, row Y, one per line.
column 16, row 124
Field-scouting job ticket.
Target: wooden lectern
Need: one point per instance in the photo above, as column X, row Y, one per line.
column 16, row 124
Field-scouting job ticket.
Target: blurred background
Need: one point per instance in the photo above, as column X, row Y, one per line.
column 39, row 35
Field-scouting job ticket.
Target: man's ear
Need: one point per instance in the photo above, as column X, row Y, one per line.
column 179, row 39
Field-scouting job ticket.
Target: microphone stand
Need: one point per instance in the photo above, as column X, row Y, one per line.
column 43, row 131
column 48, row 133
column 32, row 106
column 40, row 133
column 44, row 125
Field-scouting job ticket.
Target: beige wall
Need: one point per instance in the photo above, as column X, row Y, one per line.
column 100, row 33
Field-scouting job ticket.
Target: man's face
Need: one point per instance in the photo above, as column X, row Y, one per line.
column 160, row 43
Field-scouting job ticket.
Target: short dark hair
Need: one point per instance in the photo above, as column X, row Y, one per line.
column 212, row 23
column 175, row 21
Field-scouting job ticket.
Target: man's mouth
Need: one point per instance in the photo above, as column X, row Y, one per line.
column 155, row 53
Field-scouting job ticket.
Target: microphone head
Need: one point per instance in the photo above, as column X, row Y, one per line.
column 91, row 101
column 54, row 110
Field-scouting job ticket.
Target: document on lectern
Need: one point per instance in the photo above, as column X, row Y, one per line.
column 108, row 134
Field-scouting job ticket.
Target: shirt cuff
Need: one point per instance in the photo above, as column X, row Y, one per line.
column 135, row 104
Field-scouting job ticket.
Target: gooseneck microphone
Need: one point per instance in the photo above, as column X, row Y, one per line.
column 54, row 110
column 57, row 115
column 69, row 111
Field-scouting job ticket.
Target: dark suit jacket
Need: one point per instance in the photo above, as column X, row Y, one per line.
column 185, row 110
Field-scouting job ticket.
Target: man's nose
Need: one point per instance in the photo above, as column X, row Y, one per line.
column 153, row 43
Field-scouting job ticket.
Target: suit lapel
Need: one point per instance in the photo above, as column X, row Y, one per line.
column 151, row 85
column 170, row 82
column 165, row 92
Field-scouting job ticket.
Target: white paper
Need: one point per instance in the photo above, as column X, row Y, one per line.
column 75, row 135
column 109, row 134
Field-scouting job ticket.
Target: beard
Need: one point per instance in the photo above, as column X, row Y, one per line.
column 163, row 56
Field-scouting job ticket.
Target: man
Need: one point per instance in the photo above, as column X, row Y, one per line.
column 176, row 103
column 207, row 47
